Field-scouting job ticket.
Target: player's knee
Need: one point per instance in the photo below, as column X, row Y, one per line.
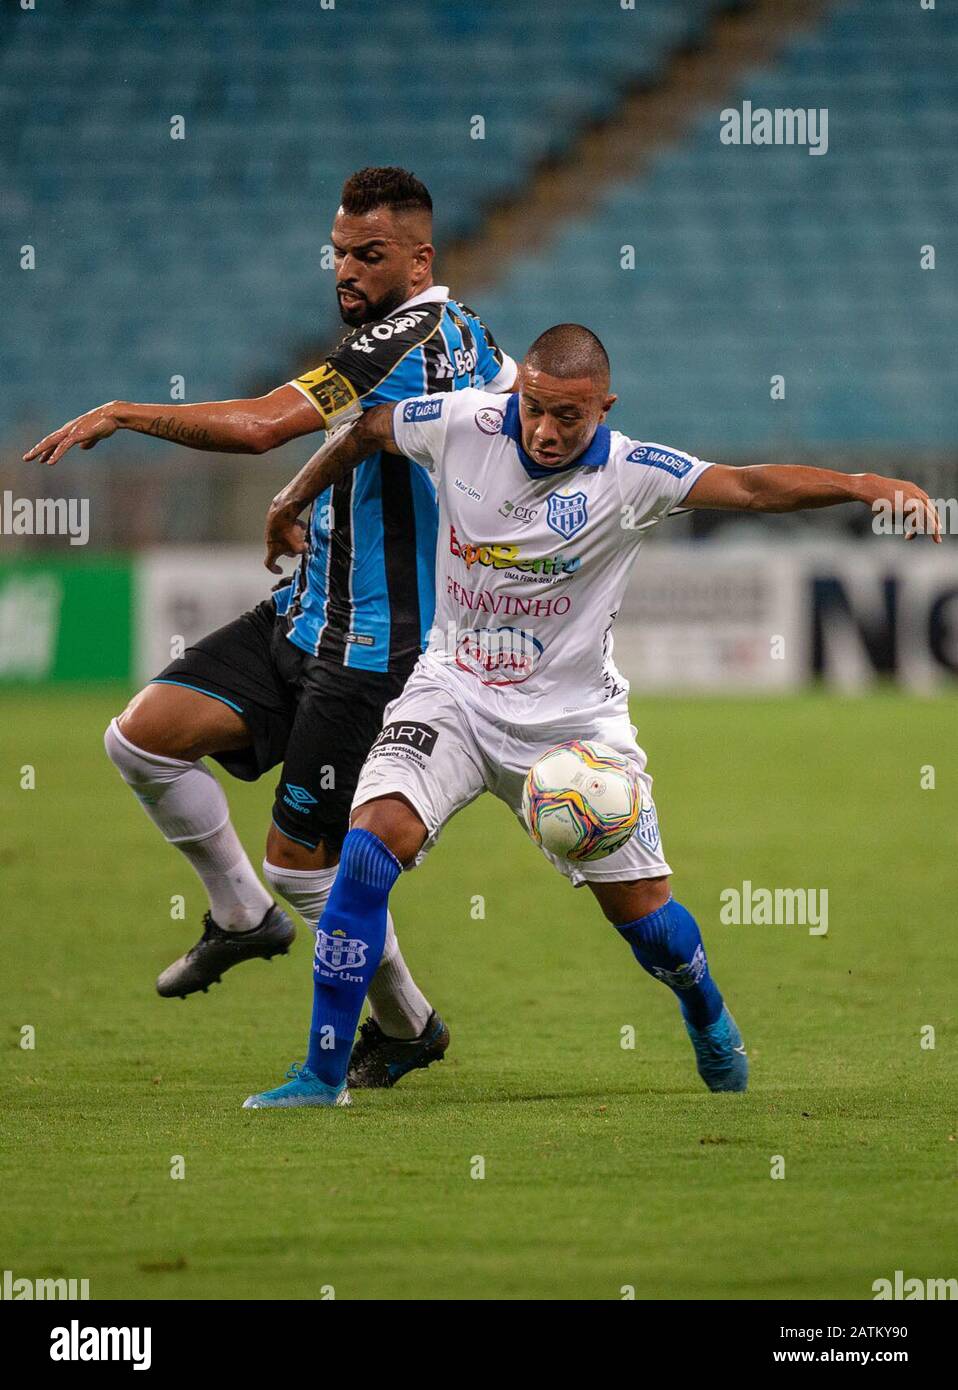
column 142, row 724
column 627, row 902
column 292, row 854
column 129, row 724
column 123, row 752
column 394, row 821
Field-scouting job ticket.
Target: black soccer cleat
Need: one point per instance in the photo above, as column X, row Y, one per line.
column 218, row 950
column 377, row 1060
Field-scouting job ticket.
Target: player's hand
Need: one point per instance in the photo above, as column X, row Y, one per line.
column 285, row 535
column 86, row 430
column 914, row 504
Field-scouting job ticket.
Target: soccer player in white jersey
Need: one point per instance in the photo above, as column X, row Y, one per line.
column 542, row 512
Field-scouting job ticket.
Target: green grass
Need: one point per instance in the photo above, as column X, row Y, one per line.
column 603, row 1167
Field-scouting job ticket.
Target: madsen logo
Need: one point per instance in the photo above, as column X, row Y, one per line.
column 505, row 556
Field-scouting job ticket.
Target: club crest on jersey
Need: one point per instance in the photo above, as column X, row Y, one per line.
column 340, row 952
column 567, row 513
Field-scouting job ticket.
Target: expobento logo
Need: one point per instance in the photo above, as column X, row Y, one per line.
column 500, row 555
column 45, row 516
column 76, row 1343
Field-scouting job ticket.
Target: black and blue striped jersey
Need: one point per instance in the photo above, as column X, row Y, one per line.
column 364, row 593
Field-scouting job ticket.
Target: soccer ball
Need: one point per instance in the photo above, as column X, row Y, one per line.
column 581, row 800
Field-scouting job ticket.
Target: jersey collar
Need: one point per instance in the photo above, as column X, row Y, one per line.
column 596, row 456
column 436, row 294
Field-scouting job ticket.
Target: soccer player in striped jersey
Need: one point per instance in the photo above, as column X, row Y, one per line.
column 304, row 678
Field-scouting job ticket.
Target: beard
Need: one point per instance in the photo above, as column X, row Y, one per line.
column 367, row 311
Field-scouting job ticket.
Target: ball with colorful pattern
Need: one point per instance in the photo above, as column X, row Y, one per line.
column 581, row 800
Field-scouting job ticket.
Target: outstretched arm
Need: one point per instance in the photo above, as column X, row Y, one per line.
column 332, row 462
column 787, row 488
column 237, row 427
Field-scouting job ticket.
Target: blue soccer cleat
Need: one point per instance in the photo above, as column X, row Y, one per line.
column 720, row 1053
column 303, row 1088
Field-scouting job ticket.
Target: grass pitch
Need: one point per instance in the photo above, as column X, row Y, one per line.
column 604, row 1167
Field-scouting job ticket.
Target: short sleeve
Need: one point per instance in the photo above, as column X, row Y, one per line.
column 370, row 365
column 656, row 479
column 495, row 368
column 420, row 425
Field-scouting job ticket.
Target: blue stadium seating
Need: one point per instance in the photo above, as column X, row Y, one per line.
column 754, row 261
column 200, row 256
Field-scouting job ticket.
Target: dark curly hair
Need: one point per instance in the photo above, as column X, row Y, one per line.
column 388, row 187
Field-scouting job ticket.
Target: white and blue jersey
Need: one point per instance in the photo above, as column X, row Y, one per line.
column 364, row 594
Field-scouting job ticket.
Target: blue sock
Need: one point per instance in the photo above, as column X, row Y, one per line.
column 668, row 944
column 349, row 946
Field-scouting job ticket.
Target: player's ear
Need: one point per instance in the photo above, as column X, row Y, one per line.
column 607, row 405
column 422, row 256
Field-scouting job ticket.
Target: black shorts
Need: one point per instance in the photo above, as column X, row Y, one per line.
column 319, row 721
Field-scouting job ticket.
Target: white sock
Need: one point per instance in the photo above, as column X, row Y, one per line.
column 187, row 804
column 395, row 1000
column 307, row 890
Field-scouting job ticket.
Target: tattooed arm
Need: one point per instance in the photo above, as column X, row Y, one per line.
column 235, row 427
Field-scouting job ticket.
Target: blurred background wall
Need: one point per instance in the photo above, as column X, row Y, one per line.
column 169, row 175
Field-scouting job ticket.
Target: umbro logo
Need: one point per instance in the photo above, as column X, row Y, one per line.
column 299, row 796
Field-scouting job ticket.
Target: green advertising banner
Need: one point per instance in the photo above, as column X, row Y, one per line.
column 65, row 620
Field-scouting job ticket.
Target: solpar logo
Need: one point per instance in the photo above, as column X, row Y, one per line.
column 676, row 464
column 567, row 513
column 298, row 798
column 499, row 655
column 421, row 410
column 339, row 951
